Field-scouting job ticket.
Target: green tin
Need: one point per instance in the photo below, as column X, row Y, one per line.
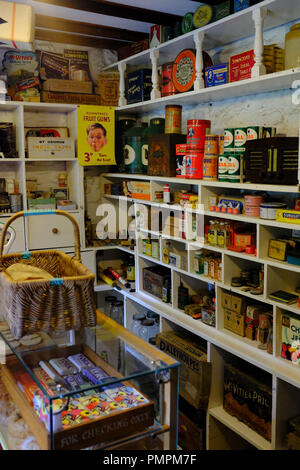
column 187, row 23
column 223, row 168
column 228, row 140
column 135, row 149
column 234, row 167
column 223, row 9
column 240, row 139
column 177, row 29
column 167, row 33
column 255, row 132
column 269, row 131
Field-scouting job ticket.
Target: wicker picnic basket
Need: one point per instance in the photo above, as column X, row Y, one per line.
column 63, row 303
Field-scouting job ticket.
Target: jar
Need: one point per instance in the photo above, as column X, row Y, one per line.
column 199, row 262
column 263, row 330
column 136, row 322
column 117, row 311
column 219, row 274
column 109, row 299
column 146, row 329
column 130, row 269
column 154, row 316
column 155, row 249
column 292, row 47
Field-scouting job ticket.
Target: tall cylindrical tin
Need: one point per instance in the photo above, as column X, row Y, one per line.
column 168, row 87
column 223, row 168
column 173, row 119
column 221, row 144
column 194, row 164
column 210, row 167
column 135, row 149
column 234, row 168
column 229, row 140
column 211, row 146
column 240, row 139
column 196, row 132
column 255, row 132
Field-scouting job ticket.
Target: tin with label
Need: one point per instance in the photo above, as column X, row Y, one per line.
column 221, row 144
column 211, row 146
column 196, row 132
column 194, row 164
column 184, row 70
column 229, row 140
column 173, row 119
column 223, row 168
column 255, row 132
column 269, row 132
column 210, row 167
column 167, row 87
column 187, row 23
column 234, row 168
column 240, row 139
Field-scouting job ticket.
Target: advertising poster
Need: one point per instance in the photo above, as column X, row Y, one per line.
column 96, row 135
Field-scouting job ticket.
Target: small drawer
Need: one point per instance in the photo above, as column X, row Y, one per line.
column 18, row 244
column 50, row 231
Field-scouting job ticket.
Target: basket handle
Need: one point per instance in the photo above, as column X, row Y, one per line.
column 43, row 212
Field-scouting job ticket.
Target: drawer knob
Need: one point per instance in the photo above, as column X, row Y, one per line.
column 54, row 230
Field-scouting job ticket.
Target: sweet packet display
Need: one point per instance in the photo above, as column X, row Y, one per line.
column 22, row 69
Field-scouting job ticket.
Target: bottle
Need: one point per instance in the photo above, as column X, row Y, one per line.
column 221, row 235
column 206, row 265
column 263, row 330
column 148, row 247
column 183, row 296
column 131, row 269
column 155, row 249
column 166, row 252
column 212, row 233
column 165, row 297
column 199, row 262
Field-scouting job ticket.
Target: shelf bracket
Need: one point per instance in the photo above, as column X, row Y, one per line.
column 199, row 81
column 258, row 16
column 122, row 99
column 155, row 92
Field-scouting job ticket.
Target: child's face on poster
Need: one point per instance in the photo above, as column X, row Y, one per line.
column 96, row 139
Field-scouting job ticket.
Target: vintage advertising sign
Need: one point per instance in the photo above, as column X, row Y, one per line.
column 96, row 135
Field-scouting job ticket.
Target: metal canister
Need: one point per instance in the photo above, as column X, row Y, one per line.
column 240, row 139
column 187, row 23
column 211, row 145
column 255, row 132
column 168, row 87
column 229, row 140
column 167, row 33
column 223, row 168
column 221, row 144
column 196, row 132
column 234, row 168
column 210, row 167
column 173, row 119
column 135, row 149
column 194, row 164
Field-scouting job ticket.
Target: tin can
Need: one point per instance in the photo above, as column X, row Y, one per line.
column 255, row 132
column 221, row 144
column 180, row 160
column 168, row 87
column 234, row 168
column 269, row 132
column 240, row 139
column 187, row 23
column 228, row 140
column 194, row 164
column 167, row 194
column 173, row 119
column 167, row 33
column 211, row 145
column 223, row 168
column 196, row 132
column 184, row 70
column 210, row 167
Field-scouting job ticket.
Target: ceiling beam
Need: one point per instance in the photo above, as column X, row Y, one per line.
column 88, row 29
column 120, row 11
column 77, row 39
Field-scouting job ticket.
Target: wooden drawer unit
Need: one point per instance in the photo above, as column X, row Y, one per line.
column 19, row 241
column 50, row 231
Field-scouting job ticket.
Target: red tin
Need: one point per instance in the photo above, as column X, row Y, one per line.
column 196, row 132
column 167, row 87
column 194, row 164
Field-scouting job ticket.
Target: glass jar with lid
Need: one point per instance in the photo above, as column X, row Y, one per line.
column 146, row 329
column 292, row 47
column 117, row 311
column 154, row 316
column 109, row 299
column 136, row 322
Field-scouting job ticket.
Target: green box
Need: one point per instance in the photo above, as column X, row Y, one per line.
column 223, row 9
column 42, row 204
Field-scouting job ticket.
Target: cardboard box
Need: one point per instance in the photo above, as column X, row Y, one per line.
column 17, row 27
column 195, row 371
column 249, row 399
column 290, row 337
column 137, row 189
column 67, row 86
column 70, row 98
column 234, row 303
column 216, row 75
column 234, row 322
column 108, row 88
column 162, row 151
column 139, row 46
column 241, row 66
column 51, row 147
column 138, row 86
column 154, row 278
column 41, row 204
column 190, row 436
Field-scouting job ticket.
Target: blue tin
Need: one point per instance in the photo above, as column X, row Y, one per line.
column 138, row 86
column 241, row 5
column 216, row 75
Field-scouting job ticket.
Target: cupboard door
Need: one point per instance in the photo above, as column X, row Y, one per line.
column 50, row 231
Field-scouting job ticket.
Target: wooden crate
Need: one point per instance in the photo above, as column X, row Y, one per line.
column 100, row 430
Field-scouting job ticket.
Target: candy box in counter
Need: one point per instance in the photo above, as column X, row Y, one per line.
column 195, row 371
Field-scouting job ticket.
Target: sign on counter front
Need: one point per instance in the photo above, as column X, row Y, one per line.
column 96, row 135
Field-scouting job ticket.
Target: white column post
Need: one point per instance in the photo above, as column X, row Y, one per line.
column 258, row 17
column 155, row 92
column 199, row 81
column 122, row 99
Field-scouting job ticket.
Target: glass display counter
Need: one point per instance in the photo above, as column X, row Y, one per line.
column 101, row 388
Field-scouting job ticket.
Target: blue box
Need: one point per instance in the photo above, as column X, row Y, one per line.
column 240, row 5
column 138, row 86
column 216, row 75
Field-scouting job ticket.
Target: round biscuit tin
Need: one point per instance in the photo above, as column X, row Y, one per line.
column 268, row 209
column 184, row 70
